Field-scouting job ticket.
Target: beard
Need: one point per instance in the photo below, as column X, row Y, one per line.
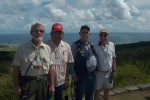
column 38, row 38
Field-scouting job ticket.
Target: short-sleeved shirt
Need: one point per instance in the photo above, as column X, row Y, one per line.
column 74, row 50
column 64, row 55
column 105, row 56
column 87, row 46
column 26, row 54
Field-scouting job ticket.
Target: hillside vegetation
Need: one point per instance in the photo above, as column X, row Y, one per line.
column 133, row 66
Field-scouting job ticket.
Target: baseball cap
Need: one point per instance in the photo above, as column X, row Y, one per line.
column 104, row 31
column 85, row 27
column 57, row 27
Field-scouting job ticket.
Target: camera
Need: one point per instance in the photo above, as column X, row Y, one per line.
column 24, row 87
column 24, row 91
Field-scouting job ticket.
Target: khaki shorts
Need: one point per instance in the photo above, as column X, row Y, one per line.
column 103, row 80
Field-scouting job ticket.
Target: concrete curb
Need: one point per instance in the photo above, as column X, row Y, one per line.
column 139, row 87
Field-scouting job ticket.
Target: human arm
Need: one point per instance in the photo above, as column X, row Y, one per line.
column 73, row 49
column 67, row 75
column 114, row 67
column 51, row 75
column 17, row 87
column 114, row 63
column 16, row 70
column 70, row 61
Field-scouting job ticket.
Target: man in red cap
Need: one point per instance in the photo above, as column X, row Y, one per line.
column 62, row 57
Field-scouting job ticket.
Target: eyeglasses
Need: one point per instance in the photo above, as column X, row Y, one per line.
column 103, row 35
column 37, row 31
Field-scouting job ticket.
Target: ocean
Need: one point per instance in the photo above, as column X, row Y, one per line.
column 117, row 38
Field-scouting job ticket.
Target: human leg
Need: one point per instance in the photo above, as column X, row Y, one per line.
column 96, row 94
column 107, row 86
column 80, row 88
column 58, row 92
column 90, row 87
column 28, row 89
column 99, row 83
column 106, row 94
column 42, row 89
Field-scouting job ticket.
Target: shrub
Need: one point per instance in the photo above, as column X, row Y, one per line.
column 6, row 90
column 130, row 74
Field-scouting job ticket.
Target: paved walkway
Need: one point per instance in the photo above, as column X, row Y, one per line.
column 141, row 89
column 133, row 95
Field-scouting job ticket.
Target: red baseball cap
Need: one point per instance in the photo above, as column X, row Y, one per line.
column 57, row 27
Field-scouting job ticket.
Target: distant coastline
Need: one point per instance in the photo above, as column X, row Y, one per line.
column 117, row 38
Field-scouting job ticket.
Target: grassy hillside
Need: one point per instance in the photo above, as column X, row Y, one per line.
column 6, row 87
column 133, row 52
column 133, row 66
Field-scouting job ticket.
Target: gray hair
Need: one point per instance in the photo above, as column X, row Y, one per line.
column 35, row 25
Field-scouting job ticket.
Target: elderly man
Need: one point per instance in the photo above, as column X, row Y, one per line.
column 106, row 69
column 84, row 65
column 62, row 58
column 33, row 60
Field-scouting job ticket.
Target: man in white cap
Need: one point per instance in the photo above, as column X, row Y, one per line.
column 106, row 69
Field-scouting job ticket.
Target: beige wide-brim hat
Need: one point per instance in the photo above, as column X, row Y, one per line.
column 104, row 31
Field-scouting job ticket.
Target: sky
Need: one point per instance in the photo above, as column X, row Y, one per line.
column 17, row 16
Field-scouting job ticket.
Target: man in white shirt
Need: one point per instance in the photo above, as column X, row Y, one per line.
column 33, row 71
column 62, row 58
column 106, row 69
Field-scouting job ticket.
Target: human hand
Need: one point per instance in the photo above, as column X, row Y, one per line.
column 74, row 77
column 17, row 90
column 66, row 84
column 113, row 73
column 51, row 90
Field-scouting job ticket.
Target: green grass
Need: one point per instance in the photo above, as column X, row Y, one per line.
column 126, row 75
column 133, row 66
column 6, row 90
column 130, row 74
column 7, row 48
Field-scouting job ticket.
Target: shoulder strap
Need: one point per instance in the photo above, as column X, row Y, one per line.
column 32, row 62
column 92, row 48
column 78, row 43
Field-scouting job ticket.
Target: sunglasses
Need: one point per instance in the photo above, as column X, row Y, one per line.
column 103, row 35
column 37, row 31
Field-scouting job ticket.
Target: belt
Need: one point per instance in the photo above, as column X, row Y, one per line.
column 105, row 71
column 34, row 77
column 92, row 72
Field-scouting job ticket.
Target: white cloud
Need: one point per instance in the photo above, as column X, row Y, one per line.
column 139, row 3
column 119, row 9
column 59, row 3
column 135, row 9
column 85, row 2
column 55, row 11
column 36, row 2
column 117, row 15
